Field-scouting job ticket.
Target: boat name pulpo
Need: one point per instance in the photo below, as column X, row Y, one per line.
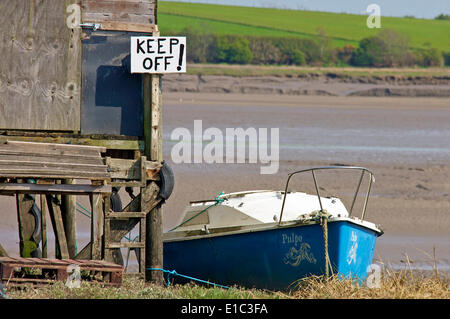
column 189, row 148
column 291, row 239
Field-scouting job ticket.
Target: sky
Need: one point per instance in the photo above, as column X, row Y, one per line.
column 427, row 9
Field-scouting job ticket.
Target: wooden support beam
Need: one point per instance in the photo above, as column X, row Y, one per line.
column 68, row 211
column 153, row 151
column 43, row 226
column 137, row 169
column 54, row 211
column 97, row 223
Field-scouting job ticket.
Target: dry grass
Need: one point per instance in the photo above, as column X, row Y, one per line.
column 393, row 285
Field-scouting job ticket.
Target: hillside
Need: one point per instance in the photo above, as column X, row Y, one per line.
column 341, row 28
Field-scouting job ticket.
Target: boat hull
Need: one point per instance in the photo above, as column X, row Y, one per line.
column 273, row 258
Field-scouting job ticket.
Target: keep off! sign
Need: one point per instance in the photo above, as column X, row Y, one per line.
column 158, row 54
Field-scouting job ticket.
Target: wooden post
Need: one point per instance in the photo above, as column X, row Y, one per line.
column 54, row 211
column 97, row 223
column 44, row 225
column 68, row 211
column 153, row 151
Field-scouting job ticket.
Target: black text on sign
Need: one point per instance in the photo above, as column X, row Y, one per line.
column 158, row 54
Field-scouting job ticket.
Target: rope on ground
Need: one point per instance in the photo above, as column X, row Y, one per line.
column 218, row 200
column 174, row 273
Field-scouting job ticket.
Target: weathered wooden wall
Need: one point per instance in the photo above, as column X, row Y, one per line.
column 40, row 64
column 40, row 71
column 132, row 11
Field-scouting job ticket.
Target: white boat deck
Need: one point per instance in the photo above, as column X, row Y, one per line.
column 256, row 208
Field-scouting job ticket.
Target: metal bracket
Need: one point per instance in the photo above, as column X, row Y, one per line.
column 93, row 26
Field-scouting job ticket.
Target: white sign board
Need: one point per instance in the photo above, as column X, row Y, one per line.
column 158, row 54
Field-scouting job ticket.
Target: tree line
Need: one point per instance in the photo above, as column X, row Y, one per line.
column 388, row 48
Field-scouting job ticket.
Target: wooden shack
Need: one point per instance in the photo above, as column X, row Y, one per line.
column 70, row 110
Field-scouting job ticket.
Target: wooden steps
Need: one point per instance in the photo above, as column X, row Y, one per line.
column 110, row 244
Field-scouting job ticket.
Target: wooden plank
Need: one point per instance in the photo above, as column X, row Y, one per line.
column 43, row 226
column 132, row 169
column 142, row 239
column 45, row 174
column 124, row 169
column 77, row 189
column 47, row 152
column 141, row 11
column 58, row 227
column 69, row 213
column 156, row 119
column 42, row 93
column 54, row 146
column 115, row 143
column 49, row 157
column 16, row 260
column 126, row 26
column 125, row 245
column 97, row 224
column 14, row 164
column 119, row 215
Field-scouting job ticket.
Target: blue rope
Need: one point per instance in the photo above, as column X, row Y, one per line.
column 174, row 273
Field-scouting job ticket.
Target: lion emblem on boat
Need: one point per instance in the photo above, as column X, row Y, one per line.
column 295, row 256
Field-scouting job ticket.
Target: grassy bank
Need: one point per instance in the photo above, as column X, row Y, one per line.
column 341, row 28
column 398, row 285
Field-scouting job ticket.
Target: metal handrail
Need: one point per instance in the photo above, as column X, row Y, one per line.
column 312, row 170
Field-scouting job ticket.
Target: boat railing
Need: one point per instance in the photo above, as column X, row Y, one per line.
column 314, row 169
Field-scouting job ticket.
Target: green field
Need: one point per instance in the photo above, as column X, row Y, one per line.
column 342, row 28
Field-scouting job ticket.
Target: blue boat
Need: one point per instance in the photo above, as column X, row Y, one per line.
column 271, row 239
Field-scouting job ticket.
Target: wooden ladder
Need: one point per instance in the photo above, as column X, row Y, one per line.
column 110, row 244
